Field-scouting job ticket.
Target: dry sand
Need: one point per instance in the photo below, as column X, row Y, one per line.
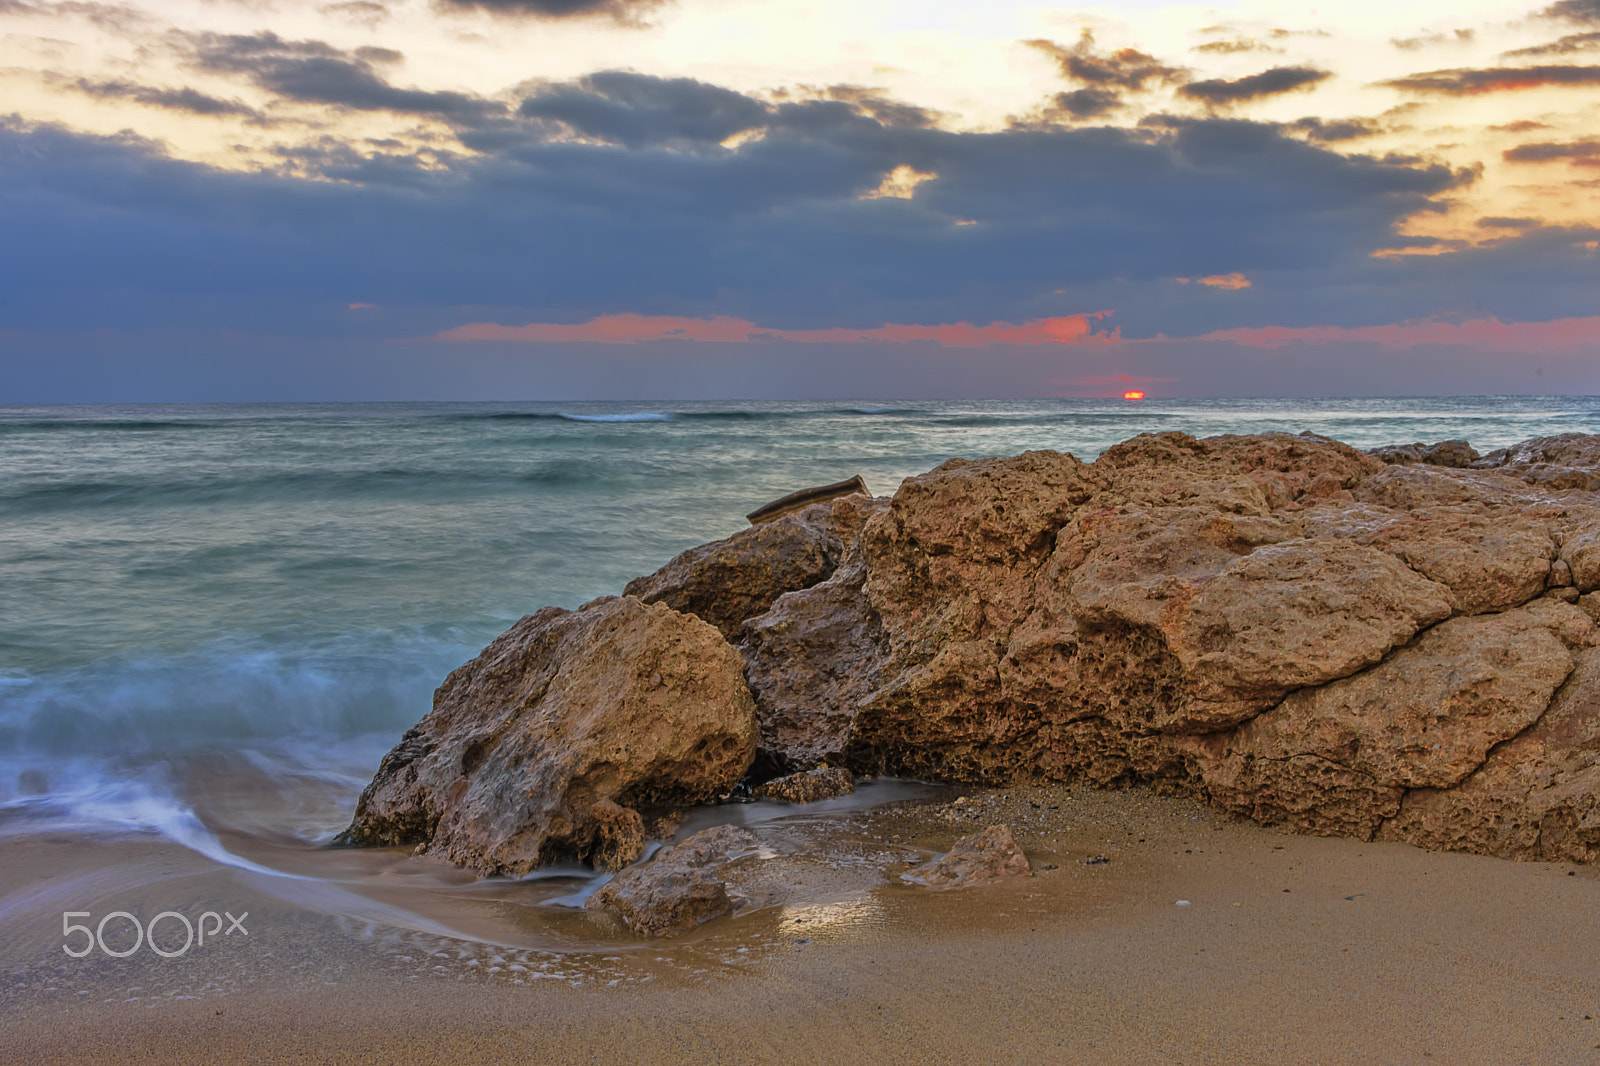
column 1291, row 950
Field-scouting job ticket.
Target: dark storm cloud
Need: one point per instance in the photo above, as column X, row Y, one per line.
column 636, row 110
column 1325, row 131
column 1574, row 10
column 316, row 72
column 1542, row 153
column 185, row 99
column 621, row 10
column 1494, row 79
column 536, row 226
column 1267, row 83
column 1575, row 42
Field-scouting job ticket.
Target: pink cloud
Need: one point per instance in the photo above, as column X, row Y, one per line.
column 634, row 329
column 1483, row 333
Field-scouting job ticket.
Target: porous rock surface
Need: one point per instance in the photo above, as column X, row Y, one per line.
column 809, row 786
column 677, row 889
column 1301, row 632
column 544, row 746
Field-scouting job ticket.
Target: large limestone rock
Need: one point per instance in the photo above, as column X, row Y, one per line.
column 1284, row 624
column 544, row 746
column 1296, row 630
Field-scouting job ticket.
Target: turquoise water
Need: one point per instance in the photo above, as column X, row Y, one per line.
column 286, row 584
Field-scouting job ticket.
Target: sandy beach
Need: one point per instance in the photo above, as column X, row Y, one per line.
column 1290, row 949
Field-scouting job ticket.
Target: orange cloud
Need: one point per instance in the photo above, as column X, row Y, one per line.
column 1484, row 333
column 1232, row 281
column 634, row 329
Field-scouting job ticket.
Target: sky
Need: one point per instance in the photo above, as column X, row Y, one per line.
column 239, row 200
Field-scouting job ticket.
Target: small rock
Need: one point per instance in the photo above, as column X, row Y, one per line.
column 1184, row 903
column 979, row 859
column 679, row 889
column 809, row 786
column 1098, row 860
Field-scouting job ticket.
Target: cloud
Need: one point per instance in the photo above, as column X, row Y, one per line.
column 1230, row 282
column 1576, row 42
column 1325, row 131
column 1493, row 79
column 317, row 72
column 1087, row 103
column 527, row 224
column 1580, row 152
column 1501, row 222
column 1126, row 68
column 365, row 12
column 1413, row 44
column 1574, row 10
column 1267, row 83
column 1488, row 334
column 620, row 10
column 185, row 99
column 1233, row 47
column 721, row 329
column 635, row 110
column 116, row 17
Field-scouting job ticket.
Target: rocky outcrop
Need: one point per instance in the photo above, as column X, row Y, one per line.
column 980, row 859
column 678, row 889
column 545, row 745
column 809, row 786
column 1285, row 625
column 1300, row 632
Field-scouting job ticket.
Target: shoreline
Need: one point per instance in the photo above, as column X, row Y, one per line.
column 1292, row 948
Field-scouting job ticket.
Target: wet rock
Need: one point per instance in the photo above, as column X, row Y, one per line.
column 678, row 889
column 809, row 786
column 1451, row 453
column 980, row 859
column 1563, row 461
column 542, row 747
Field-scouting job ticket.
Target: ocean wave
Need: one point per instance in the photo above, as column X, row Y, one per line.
column 640, row 416
column 91, row 425
column 223, row 694
column 43, row 497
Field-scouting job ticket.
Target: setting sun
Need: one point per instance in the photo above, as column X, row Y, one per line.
column 1133, row 394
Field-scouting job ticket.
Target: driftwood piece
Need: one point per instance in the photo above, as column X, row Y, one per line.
column 855, row 486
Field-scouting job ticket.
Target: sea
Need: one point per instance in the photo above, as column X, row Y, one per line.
column 270, row 593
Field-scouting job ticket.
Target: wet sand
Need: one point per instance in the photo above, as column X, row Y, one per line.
column 1291, row 950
